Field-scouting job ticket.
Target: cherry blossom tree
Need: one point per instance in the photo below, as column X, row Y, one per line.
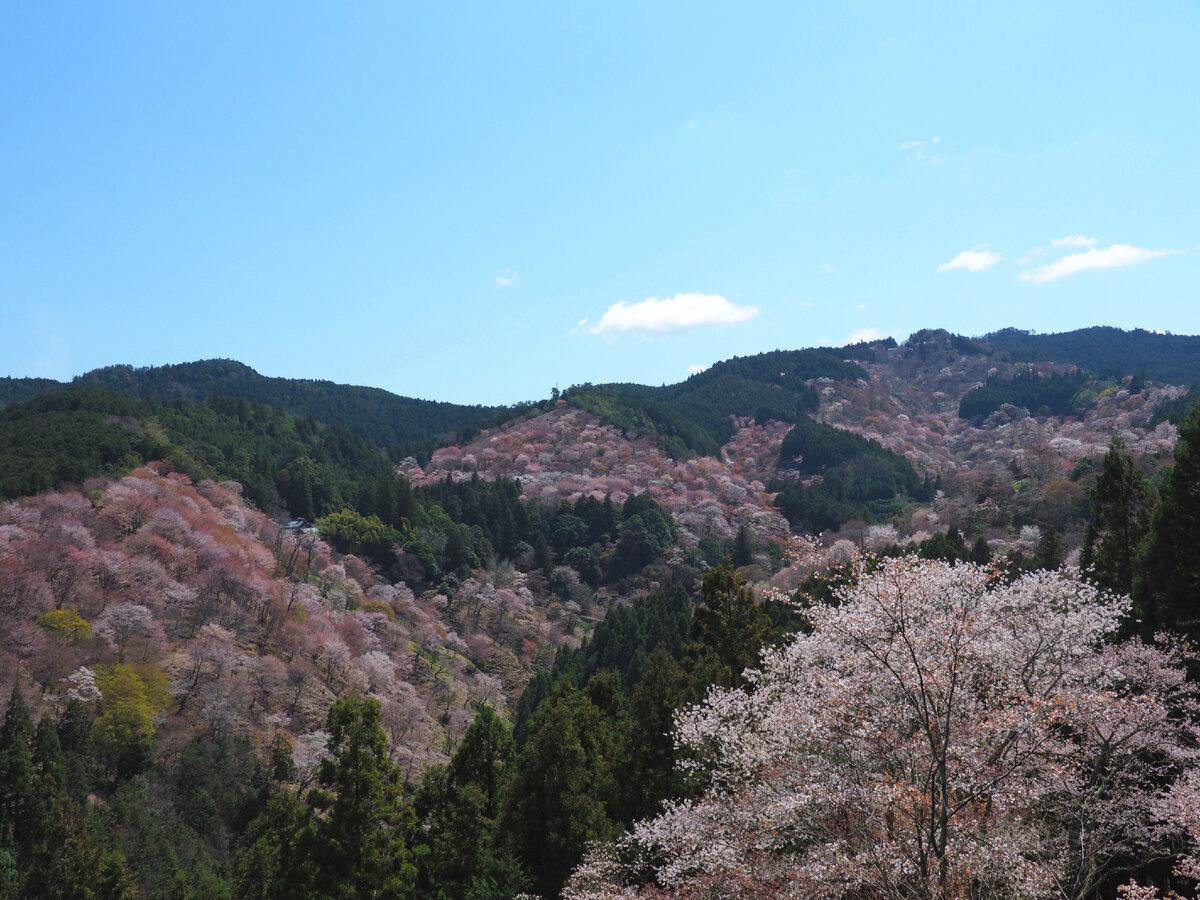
column 124, row 622
column 934, row 735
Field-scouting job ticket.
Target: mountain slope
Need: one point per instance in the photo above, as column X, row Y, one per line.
column 1171, row 358
column 381, row 417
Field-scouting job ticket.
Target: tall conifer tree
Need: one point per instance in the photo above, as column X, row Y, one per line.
column 1167, row 591
column 1120, row 521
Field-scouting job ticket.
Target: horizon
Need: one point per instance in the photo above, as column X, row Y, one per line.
column 900, row 341
column 411, row 199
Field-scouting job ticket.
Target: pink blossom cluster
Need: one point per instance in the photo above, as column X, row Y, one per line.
column 937, row 734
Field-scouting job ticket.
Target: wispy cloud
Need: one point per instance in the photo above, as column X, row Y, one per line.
column 979, row 259
column 827, row 269
column 924, row 151
column 507, row 278
column 674, row 314
column 696, row 370
column 1115, row 256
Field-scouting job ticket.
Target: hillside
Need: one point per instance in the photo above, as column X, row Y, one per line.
column 567, row 453
column 512, row 615
column 383, row 418
column 282, row 462
column 1170, row 358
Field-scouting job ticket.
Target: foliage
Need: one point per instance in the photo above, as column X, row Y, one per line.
column 857, row 476
column 71, row 435
column 1052, row 394
column 933, row 735
column 17, row 792
column 65, row 625
column 629, row 409
column 563, row 792
column 280, row 460
column 1176, row 410
column 358, row 841
column 350, row 839
column 382, row 418
column 1120, row 521
column 459, row 853
column 1164, row 357
column 694, row 417
column 123, row 733
column 621, row 643
column 1165, row 590
column 729, row 629
column 72, row 864
column 16, row 390
column 350, row 532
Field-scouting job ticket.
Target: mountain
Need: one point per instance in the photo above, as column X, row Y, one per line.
column 14, row 390
column 511, row 617
column 1170, row 358
column 281, row 461
column 385, row 419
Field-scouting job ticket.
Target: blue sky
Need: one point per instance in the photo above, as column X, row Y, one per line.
column 478, row 202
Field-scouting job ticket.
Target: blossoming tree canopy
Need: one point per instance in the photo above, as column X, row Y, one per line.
column 936, row 734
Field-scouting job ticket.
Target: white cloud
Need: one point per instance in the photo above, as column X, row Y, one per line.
column 507, row 278
column 861, row 306
column 827, row 269
column 1115, row 256
column 696, row 370
column 1074, row 240
column 866, row 335
column 977, row 260
column 678, row 313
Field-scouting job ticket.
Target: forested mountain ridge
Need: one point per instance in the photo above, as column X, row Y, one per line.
column 1170, row 358
column 624, row 551
column 385, row 419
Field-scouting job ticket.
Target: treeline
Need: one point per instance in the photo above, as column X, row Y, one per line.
column 323, row 472
column 14, row 390
column 1052, row 394
column 446, row 529
column 1170, row 358
column 859, row 478
column 594, row 746
column 165, row 829
column 282, row 461
column 393, row 423
column 695, row 417
column 630, row 408
column 72, row 435
column 1141, row 537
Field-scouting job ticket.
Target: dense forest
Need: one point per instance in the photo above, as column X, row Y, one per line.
column 264, row 638
column 696, row 416
column 399, row 425
column 1173, row 358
